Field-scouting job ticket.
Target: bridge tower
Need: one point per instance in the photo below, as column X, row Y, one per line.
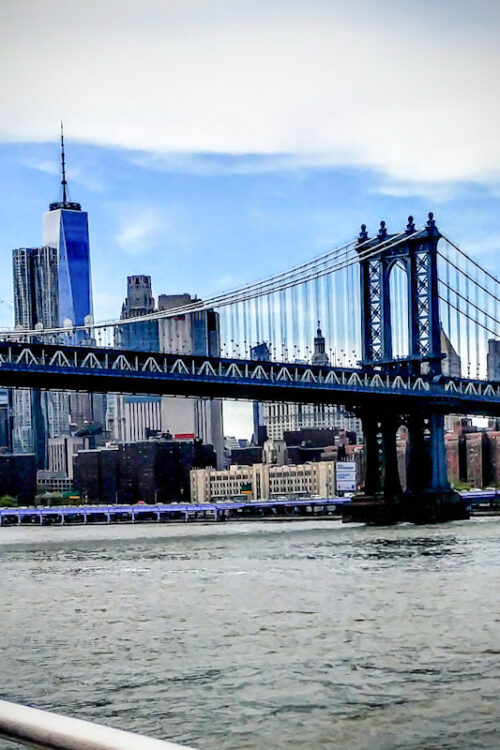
column 428, row 495
column 417, row 255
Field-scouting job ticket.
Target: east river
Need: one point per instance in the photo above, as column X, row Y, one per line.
column 307, row 635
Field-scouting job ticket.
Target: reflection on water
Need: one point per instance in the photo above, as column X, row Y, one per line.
column 291, row 635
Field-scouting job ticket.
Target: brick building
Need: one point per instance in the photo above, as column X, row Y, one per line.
column 18, row 476
column 151, row 470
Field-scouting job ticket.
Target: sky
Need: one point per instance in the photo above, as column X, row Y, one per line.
column 214, row 142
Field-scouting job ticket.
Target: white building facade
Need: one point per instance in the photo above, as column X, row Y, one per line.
column 282, row 417
column 264, row 482
column 133, row 418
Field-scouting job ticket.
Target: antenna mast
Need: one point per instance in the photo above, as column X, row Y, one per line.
column 63, row 181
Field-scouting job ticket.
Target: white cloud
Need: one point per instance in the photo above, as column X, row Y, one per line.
column 76, row 174
column 439, row 192
column 403, row 87
column 42, row 165
column 138, row 227
column 486, row 249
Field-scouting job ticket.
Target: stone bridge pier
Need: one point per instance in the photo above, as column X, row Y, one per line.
column 428, row 496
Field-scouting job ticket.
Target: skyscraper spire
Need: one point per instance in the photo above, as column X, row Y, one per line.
column 63, row 167
column 64, row 203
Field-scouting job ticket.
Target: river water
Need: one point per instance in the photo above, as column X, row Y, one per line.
column 306, row 634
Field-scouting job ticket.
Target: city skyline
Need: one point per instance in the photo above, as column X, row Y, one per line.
column 194, row 180
column 250, row 373
column 207, row 169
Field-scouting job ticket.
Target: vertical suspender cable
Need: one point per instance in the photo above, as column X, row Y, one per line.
column 478, row 332
column 246, row 336
column 295, row 318
column 282, row 323
column 448, row 311
column 237, row 327
column 307, row 314
column 329, row 312
column 457, row 315
column 285, row 320
column 269, row 320
column 346, row 318
column 317, row 298
column 304, row 320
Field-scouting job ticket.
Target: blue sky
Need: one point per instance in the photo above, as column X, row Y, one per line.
column 215, row 142
column 207, row 223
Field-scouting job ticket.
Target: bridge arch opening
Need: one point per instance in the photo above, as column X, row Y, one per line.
column 398, row 295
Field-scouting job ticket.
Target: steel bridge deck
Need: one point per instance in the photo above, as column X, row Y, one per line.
column 75, row 368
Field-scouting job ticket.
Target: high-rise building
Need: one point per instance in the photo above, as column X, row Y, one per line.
column 36, row 302
column 36, row 289
column 6, row 419
column 139, row 301
column 286, row 417
column 66, row 228
column 52, row 287
column 262, row 353
column 132, row 418
column 192, row 333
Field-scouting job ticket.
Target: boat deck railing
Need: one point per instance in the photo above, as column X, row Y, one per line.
column 32, row 727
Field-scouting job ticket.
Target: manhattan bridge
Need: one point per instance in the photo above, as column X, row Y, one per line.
column 408, row 318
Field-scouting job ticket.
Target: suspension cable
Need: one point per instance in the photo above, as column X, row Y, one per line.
column 471, row 260
column 228, row 298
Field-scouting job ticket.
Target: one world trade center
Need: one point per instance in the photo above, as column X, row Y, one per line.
column 65, row 227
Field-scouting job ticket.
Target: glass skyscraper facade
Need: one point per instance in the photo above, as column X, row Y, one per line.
column 36, row 301
column 36, row 297
column 65, row 227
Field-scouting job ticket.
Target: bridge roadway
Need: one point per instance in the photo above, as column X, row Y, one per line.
column 171, row 512
column 104, row 370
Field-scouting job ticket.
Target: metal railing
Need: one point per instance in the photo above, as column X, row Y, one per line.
column 49, row 731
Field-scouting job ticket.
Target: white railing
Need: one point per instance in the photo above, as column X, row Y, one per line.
column 48, row 731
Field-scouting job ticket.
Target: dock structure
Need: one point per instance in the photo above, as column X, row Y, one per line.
column 172, row 512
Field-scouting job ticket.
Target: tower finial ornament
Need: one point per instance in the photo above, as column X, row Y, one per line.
column 382, row 232
column 431, row 224
column 63, row 168
column 363, row 235
column 410, row 227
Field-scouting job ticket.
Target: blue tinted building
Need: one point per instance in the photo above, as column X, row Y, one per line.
column 66, row 227
column 67, row 230
column 144, row 335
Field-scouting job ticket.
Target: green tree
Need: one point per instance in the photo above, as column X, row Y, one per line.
column 7, row 501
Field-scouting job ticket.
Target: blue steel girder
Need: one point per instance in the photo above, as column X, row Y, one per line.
column 53, row 367
column 417, row 253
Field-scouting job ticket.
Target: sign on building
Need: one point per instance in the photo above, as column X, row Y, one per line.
column 345, row 473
